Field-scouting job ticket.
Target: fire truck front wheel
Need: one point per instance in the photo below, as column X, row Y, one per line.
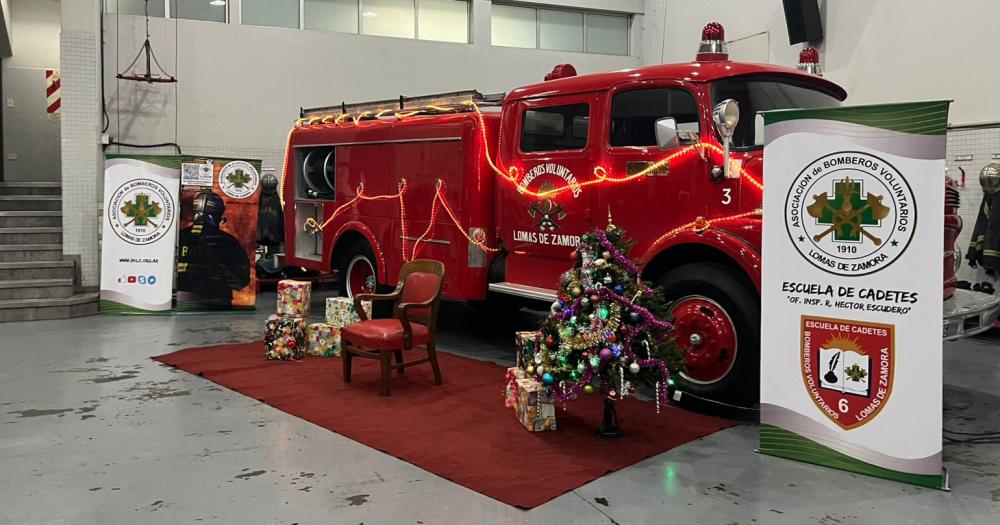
column 717, row 320
column 357, row 270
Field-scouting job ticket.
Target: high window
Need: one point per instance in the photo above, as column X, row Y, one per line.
column 555, row 128
column 559, row 29
column 439, row 20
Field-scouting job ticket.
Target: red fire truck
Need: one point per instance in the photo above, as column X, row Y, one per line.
column 501, row 187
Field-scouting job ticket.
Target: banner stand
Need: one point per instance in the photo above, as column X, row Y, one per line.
column 851, row 289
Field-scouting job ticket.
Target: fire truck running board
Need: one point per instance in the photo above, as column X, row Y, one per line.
column 523, row 290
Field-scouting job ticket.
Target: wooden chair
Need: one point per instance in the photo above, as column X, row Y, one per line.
column 416, row 297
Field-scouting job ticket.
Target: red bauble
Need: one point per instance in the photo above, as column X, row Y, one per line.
column 573, row 255
column 613, row 338
column 623, row 328
column 550, row 340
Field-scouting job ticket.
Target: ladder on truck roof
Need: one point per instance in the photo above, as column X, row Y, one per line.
column 453, row 101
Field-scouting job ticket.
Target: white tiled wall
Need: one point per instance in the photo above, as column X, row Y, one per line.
column 981, row 144
column 81, row 176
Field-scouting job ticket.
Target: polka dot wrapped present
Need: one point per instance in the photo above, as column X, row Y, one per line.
column 323, row 340
column 294, row 298
column 340, row 311
column 284, row 337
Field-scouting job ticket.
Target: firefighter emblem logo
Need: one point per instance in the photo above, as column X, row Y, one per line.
column 546, row 212
column 141, row 211
column 238, row 179
column 850, row 213
column 847, row 368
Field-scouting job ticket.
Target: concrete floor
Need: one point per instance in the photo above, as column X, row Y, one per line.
column 93, row 431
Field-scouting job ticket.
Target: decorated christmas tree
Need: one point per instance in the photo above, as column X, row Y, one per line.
column 607, row 330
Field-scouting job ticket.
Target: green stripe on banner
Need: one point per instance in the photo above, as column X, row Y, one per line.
column 920, row 118
column 782, row 443
column 116, row 308
column 167, row 161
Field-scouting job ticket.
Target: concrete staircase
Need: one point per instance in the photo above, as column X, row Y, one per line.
column 35, row 281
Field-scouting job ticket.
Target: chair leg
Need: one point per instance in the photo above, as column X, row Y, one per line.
column 386, row 365
column 347, row 365
column 432, row 355
column 399, row 362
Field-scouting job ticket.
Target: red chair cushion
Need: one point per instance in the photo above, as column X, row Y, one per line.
column 418, row 288
column 382, row 334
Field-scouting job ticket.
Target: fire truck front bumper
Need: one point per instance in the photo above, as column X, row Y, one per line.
column 967, row 313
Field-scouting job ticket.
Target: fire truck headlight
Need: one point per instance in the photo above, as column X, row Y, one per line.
column 726, row 116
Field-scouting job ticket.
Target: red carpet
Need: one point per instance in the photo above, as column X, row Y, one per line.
column 460, row 430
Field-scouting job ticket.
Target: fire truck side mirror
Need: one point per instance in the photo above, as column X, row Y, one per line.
column 666, row 133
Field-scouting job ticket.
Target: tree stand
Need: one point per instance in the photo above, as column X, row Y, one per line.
column 609, row 426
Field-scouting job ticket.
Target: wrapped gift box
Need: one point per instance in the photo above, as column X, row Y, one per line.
column 534, row 409
column 284, row 337
column 294, row 298
column 510, row 386
column 340, row 311
column 323, row 340
column 526, row 344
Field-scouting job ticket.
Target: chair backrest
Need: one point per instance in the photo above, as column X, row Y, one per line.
column 422, row 280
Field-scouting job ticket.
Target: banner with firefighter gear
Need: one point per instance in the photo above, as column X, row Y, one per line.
column 218, row 234
column 851, row 289
column 139, row 230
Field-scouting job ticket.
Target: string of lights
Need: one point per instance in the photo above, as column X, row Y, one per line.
column 511, row 176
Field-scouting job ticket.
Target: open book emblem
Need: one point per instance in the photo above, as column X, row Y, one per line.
column 847, row 367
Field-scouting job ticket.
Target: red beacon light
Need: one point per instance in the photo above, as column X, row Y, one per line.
column 809, row 61
column 561, row 71
column 713, row 44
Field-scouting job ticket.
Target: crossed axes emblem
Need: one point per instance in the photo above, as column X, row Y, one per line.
column 846, row 216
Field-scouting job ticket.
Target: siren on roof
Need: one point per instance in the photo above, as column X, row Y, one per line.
column 809, row 61
column 713, row 44
column 561, row 71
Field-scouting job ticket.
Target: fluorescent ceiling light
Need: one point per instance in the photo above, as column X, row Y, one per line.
column 369, row 14
column 218, row 3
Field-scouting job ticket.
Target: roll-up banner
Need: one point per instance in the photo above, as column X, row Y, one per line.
column 218, row 234
column 851, row 350
column 139, row 232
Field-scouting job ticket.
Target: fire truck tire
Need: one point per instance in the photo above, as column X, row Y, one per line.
column 354, row 265
column 717, row 318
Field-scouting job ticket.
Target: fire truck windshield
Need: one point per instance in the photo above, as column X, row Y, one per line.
column 764, row 94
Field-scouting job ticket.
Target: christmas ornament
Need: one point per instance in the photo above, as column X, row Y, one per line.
column 608, row 279
column 576, row 291
column 619, row 289
column 538, row 358
column 594, row 361
column 549, row 340
column 605, row 354
column 547, row 378
column 581, row 367
column 634, row 368
column 599, row 262
column 540, row 370
column 606, row 255
column 573, row 255
column 530, row 370
column 588, row 389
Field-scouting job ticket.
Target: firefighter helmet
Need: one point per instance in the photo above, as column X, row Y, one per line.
column 989, row 177
column 268, row 184
column 208, row 207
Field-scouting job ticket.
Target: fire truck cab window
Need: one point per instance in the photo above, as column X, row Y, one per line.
column 757, row 94
column 555, row 128
column 634, row 115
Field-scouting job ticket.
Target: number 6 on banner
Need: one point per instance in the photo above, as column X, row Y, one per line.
column 842, row 405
